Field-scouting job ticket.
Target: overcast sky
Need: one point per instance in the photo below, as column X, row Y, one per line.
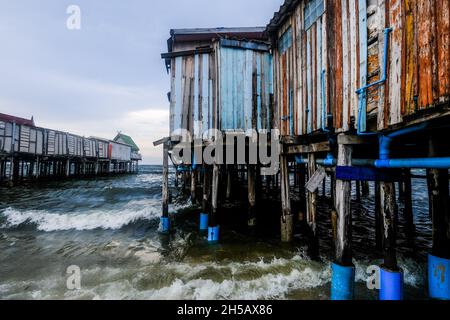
column 108, row 76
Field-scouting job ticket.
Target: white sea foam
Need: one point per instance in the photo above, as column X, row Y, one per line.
column 96, row 219
column 92, row 219
column 126, row 283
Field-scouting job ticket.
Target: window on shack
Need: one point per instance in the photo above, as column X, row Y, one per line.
column 285, row 41
column 314, row 9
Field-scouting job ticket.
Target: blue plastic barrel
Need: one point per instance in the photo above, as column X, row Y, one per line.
column 391, row 285
column 204, row 221
column 213, row 234
column 342, row 283
column 165, row 225
column 438, row 278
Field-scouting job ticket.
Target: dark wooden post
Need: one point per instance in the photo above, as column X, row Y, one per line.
column 311, row 206
column 215, row 195
column 252, row 195
column 378, row 218
column 193, row 186
column 165, row 182
column 206, row 190
column 440, row 212
column 358, row 191
column 287, row 219
column 408, row 210
column 229, row 183
column 344, row 237
column 389, row 217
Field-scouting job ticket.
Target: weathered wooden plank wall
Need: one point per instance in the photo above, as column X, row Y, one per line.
column 347, row 43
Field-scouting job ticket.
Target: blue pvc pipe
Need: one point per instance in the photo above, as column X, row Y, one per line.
column 342, row 282
column 165, row 225
column 438, row 278
column 425, row 163
column 362, row 91
column 204, row 221
column 329, row 161
column 213, row 234
column 391, row 285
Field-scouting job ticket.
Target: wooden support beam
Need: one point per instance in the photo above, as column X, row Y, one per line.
column 343, row 245
column 312, row 148
column 347, row 139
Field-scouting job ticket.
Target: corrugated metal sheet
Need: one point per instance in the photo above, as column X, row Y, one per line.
column 56, row 143
column 30, row 140
column 120, row 152
column 103, row 147
column 6, row 133
column 245, row 86
column 75, row 145
column 90, row 148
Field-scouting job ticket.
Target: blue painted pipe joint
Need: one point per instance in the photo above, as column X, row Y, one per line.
column 213, row 234
column 342, row 283
column 438, row 278
column 391, row 285
column 204, row 221
column 165, row 225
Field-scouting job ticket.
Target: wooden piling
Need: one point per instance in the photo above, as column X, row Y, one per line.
column 378, row 218
column 408, row 209
column 343, row 245
column 206, row 190
column 389, row 217
column 438, row 185
column 252, row 195
column 287, row 219
column 229, row 183
column 311, row 205
column 214, row 195
column 165, row 181
column 193, row 186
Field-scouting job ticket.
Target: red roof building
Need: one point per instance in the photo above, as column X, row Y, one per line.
column 17, row 120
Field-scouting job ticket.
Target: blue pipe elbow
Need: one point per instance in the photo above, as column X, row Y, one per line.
column 342, row 283
column 391, row 285
column 204, row 221
column 213, row 234
column 165, row 225
column 330, row 161
column 438, row 278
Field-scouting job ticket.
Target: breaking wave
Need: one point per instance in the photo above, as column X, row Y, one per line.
column 97, row 219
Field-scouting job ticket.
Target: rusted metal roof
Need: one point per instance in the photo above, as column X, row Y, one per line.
column 207, row 34
column 17, row 120
column 280, row 17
